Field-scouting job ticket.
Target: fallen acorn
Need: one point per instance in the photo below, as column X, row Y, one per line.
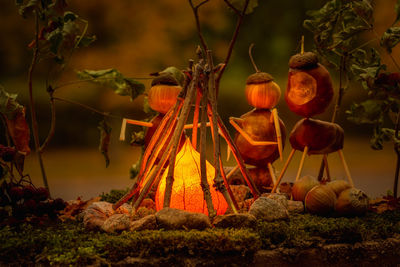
column 338, row 186
column 320, row 200
column 302, row 186
column 352, row 201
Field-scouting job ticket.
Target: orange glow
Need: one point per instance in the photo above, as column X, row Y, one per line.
column 187, row 193
column 303, row 88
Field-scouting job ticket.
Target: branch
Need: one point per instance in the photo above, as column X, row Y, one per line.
column 237, row 11
column 198, row 26
column 103, row 113
column 232, row 44
column 35, row 130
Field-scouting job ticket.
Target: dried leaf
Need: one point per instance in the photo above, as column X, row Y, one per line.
column 390, row 38
column 8, row 104
column 114, row 79
column 75, row 207
column 27, row 9
column 105, row 136
column 19, row 131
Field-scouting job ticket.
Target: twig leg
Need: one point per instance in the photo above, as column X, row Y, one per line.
column 328, row 174
column 283, row 170
column 123, row 130
column 278, row 133
column 272, row 173
column 346, row 168
column 301, row 163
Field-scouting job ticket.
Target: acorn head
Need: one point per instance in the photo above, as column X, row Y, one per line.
column 164, row 80
column 261, row 91
column 307, row 60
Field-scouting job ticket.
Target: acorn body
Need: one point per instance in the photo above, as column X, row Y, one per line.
column 259, row 125
column 309, row 89
column 320, row 137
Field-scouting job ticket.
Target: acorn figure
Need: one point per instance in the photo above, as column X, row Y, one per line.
column 261, row 134
column 309, row 92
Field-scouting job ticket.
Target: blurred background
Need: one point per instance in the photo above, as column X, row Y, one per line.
column 141, row 37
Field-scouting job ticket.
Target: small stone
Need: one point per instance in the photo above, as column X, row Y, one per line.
column 281, row 198
column 96, row 214
column 147, row 223
column 268, row 209
column 295, row 206
column 116, row 223
column 124, row 209
column 143, row 212
column 174, row 219
column 240, row 220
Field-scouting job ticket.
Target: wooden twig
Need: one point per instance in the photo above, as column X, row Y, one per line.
column 328, row 174
column 278, row 132
column 232, row 7
column 272, row 173
column 346, row 168
column 178, row 133
column 35, row 130
column 195, row 10
column 146, row 162
column 196, row 119
column 238, row 158
column 303, row 157
column 203, row 150
column 218, row 180
column 231, row 45
column 278, row 181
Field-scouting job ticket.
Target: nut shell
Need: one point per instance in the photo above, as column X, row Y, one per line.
column 338, row 186
column 302, row 186
column 352, row 201
column 320, row 200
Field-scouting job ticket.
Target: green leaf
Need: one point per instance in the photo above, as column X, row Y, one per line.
column 55, row 38
column 27, row 9
column 8, row 104
column 239, row 5
column 70, row 16
column 390, row 38
column 86, row 41
column 380, row 136
column 137, row 138
column 397, row 9
column 105, row 136
column 19, row 2
column 369, row 112
column 114, row 79
column 174, row 72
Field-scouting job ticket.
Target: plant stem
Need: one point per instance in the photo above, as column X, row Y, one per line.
column 52, row 125
column 397, row 150
column 252, row 59
column 103, row 113
column 92, row 79
column 32, row 103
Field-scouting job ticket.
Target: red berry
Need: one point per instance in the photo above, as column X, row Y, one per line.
column 59, row 204
column 16, row 193
column 42, row 194
column 30, row 205
column 29, row 191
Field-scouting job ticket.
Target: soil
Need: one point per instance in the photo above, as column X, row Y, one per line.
column 371, row 253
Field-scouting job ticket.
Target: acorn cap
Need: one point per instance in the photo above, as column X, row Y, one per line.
column 306, row 60
column 259, row 77
column 165, row 79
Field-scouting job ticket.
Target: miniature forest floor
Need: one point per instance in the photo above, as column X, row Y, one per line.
column 302, row 240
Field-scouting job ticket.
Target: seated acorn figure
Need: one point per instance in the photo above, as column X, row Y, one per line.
column 261, row 134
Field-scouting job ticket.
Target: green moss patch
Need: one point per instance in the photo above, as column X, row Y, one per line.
column 70, row 243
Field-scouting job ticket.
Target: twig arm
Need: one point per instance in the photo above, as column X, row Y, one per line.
column 248, row 137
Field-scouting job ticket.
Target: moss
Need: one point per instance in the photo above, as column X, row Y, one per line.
column 69, row 243
column 114, row 195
